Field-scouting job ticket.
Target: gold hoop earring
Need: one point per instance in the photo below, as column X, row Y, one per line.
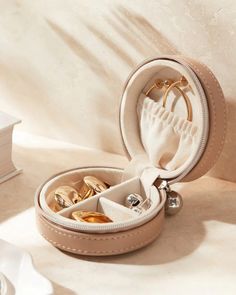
column 158, row 84
column 176, row 85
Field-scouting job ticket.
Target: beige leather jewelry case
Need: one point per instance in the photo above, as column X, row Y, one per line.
column 173, row 125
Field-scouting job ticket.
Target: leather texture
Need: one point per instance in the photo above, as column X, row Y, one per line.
column 217, row 118
column 101, row 244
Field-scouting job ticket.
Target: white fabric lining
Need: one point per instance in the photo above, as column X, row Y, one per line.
column 167, row 138
column 155, row 109
column 114, row 210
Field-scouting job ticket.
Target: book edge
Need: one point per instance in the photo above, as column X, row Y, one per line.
column 10, row 126
column 10, row 175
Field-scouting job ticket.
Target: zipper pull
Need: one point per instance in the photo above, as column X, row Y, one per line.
column 174, row 201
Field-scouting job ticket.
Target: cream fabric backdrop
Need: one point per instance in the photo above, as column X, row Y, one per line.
column 63, row 63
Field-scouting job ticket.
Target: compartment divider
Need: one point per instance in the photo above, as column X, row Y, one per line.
column 114, row 210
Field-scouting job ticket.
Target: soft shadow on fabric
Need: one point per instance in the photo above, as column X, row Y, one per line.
column 135, row 30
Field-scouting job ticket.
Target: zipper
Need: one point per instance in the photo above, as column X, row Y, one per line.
column 205, row 131
column 105, row 227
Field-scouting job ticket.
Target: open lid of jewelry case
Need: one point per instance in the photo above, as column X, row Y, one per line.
column 208, row 117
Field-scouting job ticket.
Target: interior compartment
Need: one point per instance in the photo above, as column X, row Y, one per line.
column 111, row 202
column 133, row 97
column 116, row 194
column 109, row 176
column 113, row 210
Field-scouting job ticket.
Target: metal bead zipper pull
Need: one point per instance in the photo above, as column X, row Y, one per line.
column 174, row 201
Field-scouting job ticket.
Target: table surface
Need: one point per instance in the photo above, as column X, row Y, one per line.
column 195, row 252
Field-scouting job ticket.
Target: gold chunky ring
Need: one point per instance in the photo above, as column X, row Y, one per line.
column 84, row 191
column 95, row 184
column 66, row 195
column 90, row 216
column 54, row 206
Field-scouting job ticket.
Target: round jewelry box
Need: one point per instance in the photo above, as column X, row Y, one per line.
column 173, row 125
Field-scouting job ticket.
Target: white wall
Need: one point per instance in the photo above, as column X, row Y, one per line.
column 63, row 63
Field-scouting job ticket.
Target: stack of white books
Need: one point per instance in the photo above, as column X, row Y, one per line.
column 7, row 167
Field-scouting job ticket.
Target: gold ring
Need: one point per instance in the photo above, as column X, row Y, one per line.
column 90, row 216
column 95, row 184
column 158, row 84
column 66, row 196
column 54, row 206
column 84, row 191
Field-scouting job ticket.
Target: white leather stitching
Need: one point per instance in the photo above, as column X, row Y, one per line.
column 121, row 250
column 93, row 238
